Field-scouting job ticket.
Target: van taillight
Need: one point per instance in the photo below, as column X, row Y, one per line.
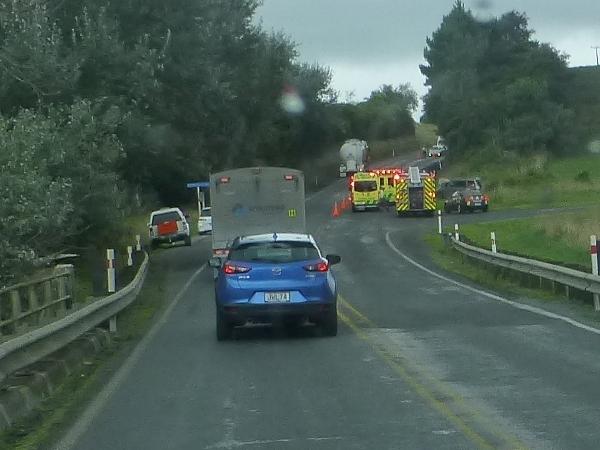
column 322, row 266
column 230, row 269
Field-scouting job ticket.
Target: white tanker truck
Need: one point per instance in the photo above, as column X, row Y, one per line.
column 354, row 154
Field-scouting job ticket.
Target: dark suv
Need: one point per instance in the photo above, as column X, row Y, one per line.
column 464, row 194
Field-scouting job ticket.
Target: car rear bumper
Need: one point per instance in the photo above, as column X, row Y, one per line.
column 170, row 238
column 362, row 207
column 261, row 313
column 480, row 206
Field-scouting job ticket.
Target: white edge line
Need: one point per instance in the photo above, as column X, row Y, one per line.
column 75, row 433
column 533, row 309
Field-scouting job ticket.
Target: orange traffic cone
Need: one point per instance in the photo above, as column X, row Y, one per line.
column 336, row 211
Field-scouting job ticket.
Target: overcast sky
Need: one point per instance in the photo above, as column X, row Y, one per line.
column 370, row 42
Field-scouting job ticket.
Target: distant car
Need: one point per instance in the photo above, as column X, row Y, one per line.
column 463, row 195
column 273, row 278
column 205, row 221
column 168, row 225
column 437, row 151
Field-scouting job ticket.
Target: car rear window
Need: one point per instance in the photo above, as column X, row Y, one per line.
column 274, row 252
column 365, row 186
column 165, row 217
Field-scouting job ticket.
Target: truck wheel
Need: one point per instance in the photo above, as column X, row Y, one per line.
column 188, row 241
column 485, row 208
column 154, row 245
column 329, row 322
column 224, row 329
column 447, row 208
column 354, row 208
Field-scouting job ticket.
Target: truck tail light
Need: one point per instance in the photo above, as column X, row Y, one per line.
column 230, row 269
column 289, row 177
column 322, row 266
column 224, row 180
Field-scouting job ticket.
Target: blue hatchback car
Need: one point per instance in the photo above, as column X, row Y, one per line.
column 272, row 278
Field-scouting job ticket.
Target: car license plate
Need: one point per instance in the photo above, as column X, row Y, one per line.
column 277, row 297
column 477, row 203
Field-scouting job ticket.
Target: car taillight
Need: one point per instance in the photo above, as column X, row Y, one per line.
column 230, row 269
column 486, row 198
column 322, row 266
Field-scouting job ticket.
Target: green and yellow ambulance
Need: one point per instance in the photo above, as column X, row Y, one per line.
column 365, row 191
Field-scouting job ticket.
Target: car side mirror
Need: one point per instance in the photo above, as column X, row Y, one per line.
column 333, row 259
column 215, row 263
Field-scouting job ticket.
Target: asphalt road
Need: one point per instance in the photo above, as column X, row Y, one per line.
column 420, row 362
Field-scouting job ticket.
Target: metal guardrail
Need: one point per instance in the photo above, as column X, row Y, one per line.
column 34, row 302
column 37, row 344
column 569, row 277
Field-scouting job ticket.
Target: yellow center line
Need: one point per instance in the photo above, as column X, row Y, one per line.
column 426, row 393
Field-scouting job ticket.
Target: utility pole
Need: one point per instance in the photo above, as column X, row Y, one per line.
column 596, row 47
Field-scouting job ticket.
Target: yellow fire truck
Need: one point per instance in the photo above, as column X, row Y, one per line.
column 415, row 191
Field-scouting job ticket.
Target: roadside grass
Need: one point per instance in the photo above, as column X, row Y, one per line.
column 560, row 238
column 533, row 182
column 450, row 260
column 426, row 134
column 407, row 145
column 51, row 419
column 502, row 281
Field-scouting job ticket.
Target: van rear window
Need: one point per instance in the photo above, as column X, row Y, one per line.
column 365, row 186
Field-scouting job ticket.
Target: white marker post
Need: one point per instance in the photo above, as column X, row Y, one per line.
column 439, row 214
column 456, row 233
column 110, row 270
column 129, row 256
column 594, row 256
column 138, row 243
column 494, row 247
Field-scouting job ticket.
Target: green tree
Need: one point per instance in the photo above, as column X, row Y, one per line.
column 492, row 85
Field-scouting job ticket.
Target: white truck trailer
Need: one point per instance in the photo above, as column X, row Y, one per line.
column 255, row 200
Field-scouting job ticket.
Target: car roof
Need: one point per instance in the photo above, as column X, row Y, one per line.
column 166, row 210
column 275, row 237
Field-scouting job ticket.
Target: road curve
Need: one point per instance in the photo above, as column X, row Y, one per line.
column 420, row 363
